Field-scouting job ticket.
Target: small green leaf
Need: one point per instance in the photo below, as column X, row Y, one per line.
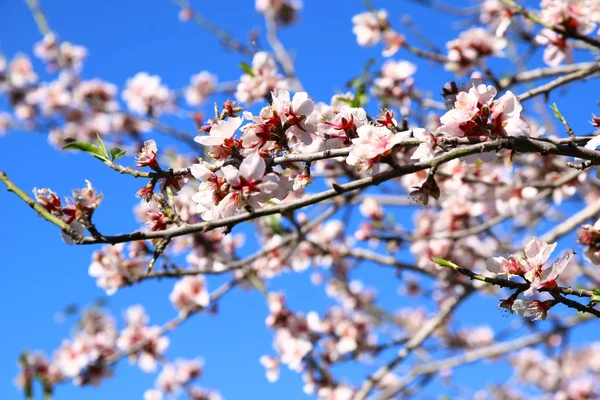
column 256, row 282
column 102, row 147
column 274, row 222
column 116, row 152
column 444, row 263
column 557, row 113
column 88, row 148
column 360, row 98
column 247, row 68
column 354, row 82
column 596, row 295
column 345, row 100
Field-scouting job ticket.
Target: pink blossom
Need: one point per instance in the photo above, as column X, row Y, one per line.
column 48, row 199
column 496, row 16
column 373, row 142
column 144, row 94
column 73, row 357
column 153, row 394
column 96, row 94
column 190, row 294
column 175, row 375
column 50, row 97
column 368, row 27
column 558, row 49
column 343, row 124
column 210, row 192
column 201, row 86
column 503, row 266
column 221, row 132
column 340, row 392
column 506, row 117
column 264, row 78
column 370, row 208
column 20, row 71
column 426, row 150
column 393, row 42
column 271, row 365
column 112, row 270
column 532, row 309
column 147, row 157
column 396, row 83
column 249, row 182
column 294, row 113
column 470, row 47
column 471, row 112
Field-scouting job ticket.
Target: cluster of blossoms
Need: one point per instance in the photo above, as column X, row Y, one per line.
column 469, row 49
column 78, row 209
column 87, row 108
column 202, row 85
column 589, row 235
column 538, row 274
column 81, row 358
column 578, row 17
column 474, row 112
column 396, row 85
column 63, row 55
column 574, row 377
column 259, row 79
column 496, row 15
column 144, row 94
column 84, row 358
column 372, row 27
column 247, row 174
column 179, row 376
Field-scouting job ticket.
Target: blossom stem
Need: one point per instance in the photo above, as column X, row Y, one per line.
column 42, row 212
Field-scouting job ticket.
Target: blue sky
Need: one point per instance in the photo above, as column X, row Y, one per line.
column 41, row 275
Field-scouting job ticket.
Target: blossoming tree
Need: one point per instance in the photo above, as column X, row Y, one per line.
column 492, row 186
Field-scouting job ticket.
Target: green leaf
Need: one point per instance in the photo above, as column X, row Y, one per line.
column 116, row 152
column 345, row 100
column 88, row 148
column 596, row 295
column 557, row 113
column 355, row 82
column 102, row 147
column 360, row 98
column 256, row 282
column 274, row 222
column 444, row 263
column 247, row 68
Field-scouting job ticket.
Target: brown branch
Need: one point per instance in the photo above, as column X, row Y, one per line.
column 42, row 212
column 446, row 308
column 472, row 356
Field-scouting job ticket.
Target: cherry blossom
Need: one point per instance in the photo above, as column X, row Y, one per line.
column 190, row 294
column 221, row 132
column 557, row 48
column 271, row 365
column 373, row 143
column 472, row 110
column 250, row 184
column 368, row 27
column 466, row 51
column 146, row 95
column 426, row 150
column 201, row 86
column 532, row 309
column 261, row 81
